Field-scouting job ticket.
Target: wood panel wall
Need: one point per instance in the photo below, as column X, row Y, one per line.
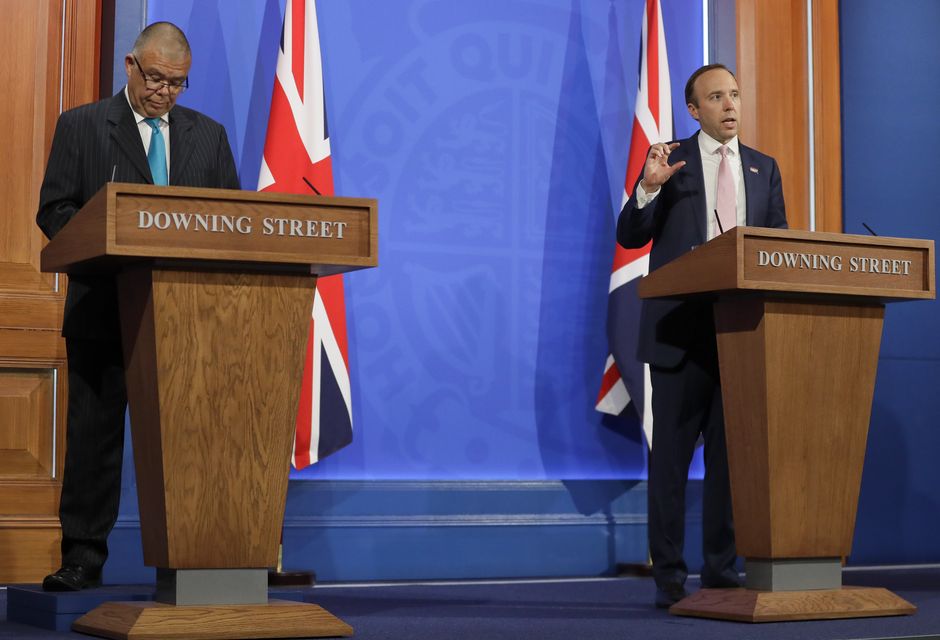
column 773, row 75
column 51, row 64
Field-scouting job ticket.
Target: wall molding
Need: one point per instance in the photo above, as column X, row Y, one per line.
column 427, row 530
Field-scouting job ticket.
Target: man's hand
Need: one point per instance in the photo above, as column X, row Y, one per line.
column 657, row 170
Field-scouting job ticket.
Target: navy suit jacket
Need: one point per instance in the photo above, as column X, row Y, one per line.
column 676, row 222
column 90, row 143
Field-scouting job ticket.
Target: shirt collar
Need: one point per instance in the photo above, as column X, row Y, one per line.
column 139, row 118
column 709, row 146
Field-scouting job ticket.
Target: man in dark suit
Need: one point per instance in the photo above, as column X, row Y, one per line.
column 691, row 191
column 136, row 136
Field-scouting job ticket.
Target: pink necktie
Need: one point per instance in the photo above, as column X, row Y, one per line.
column 726, row 202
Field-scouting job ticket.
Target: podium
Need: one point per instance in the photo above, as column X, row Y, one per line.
column 215, row 291
column 798, row 318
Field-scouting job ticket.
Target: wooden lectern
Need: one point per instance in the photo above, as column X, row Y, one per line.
column 798, row 317
column 215, row 289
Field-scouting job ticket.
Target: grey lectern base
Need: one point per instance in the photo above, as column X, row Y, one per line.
column 212, row 586
column 799, row 574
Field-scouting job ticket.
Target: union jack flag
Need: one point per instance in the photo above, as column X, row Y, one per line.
column 297, row 148
column 625, row 378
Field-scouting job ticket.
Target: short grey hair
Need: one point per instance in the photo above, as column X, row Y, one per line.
column 163, row 33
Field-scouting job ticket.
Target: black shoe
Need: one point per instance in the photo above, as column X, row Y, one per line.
column 722, row 581
column 72, row 578
column 668, row 595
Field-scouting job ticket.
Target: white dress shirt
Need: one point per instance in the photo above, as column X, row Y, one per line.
column 146, row 131
column 708, row 148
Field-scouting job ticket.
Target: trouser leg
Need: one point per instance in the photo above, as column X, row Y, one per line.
column 718, row 546
column 91, row 484
column 675, row 432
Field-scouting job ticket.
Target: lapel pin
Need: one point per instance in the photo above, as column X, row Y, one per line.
column 754, row 170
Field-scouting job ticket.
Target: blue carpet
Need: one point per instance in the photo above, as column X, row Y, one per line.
column 569, row 610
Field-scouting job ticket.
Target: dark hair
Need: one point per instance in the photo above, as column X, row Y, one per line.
column 166, row 31
column 690, row 85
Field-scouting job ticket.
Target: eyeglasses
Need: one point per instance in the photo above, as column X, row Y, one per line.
column 155, row 84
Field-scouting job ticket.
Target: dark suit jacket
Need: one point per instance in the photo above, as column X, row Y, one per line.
column 90, row 143
column 676, row 222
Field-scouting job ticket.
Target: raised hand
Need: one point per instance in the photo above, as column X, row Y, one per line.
column 657, row 170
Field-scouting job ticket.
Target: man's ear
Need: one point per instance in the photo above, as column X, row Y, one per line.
column 693, row 111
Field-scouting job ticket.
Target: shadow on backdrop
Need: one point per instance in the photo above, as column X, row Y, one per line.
column 577, row 254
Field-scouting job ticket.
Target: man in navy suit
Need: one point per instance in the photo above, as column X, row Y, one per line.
column 140, row 136
column 675, row 204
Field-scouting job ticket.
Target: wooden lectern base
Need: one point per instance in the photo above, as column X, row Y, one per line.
column 146, row 620
column 749, row 605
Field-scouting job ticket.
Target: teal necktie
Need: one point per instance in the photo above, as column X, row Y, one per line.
column 156, row 155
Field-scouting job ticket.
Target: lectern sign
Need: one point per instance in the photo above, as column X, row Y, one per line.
column 244, row 224
column 759, row 259
column 836, row 260
column 304, row 227
column 301, row 233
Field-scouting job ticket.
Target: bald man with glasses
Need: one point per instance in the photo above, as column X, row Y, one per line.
column 139, row 136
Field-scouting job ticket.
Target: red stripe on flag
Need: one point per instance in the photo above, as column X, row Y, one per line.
column 623, row 257
column 286, row 156
column 331, row 292
column 304, row 410
column 320, row 175
column 639, row 147
column 284, row 147
column 611, row 377
column 297, row 44
column 652, row 59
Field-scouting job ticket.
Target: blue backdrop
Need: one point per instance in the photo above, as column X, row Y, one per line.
column 894, row 54
column 494, row 135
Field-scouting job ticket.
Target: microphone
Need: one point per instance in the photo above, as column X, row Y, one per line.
column 869, row 230
column 113, row 171
column 310, row 184
column 718, row 220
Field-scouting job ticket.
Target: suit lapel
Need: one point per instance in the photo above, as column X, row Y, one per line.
column 692, row 181
column 126, row 135
column 752, row 184
column 181, row 147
